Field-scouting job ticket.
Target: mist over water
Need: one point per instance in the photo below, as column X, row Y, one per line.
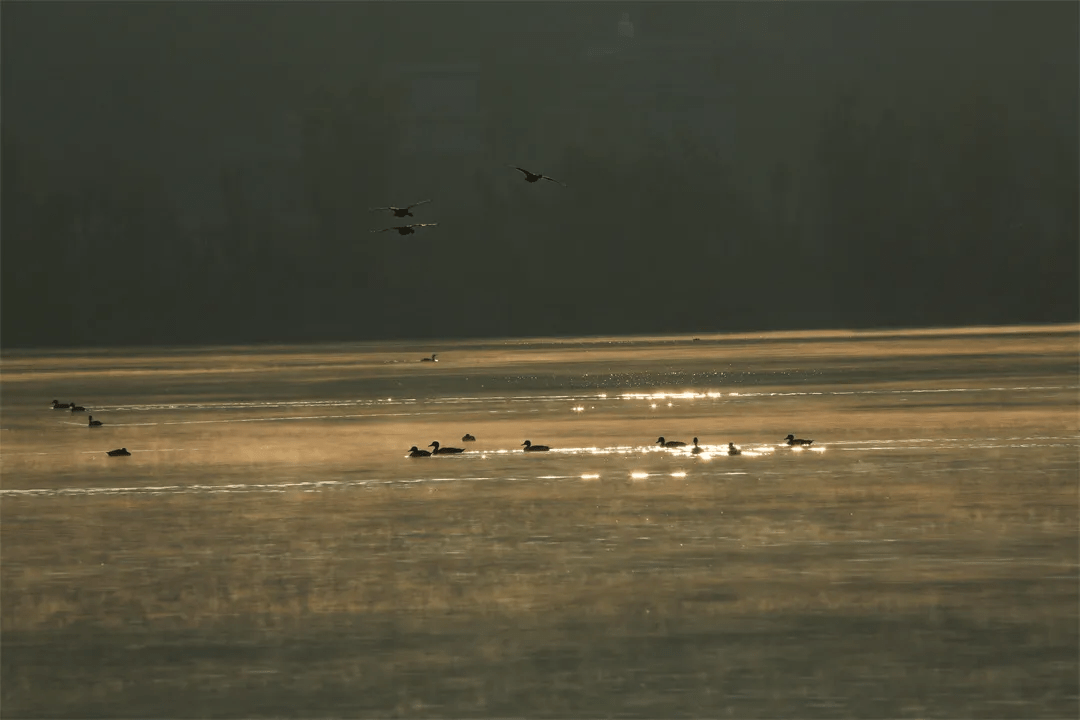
column 269, row 548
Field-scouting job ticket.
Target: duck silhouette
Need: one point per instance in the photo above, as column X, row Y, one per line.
column 468, row 438
column 77, row 408
column 670, row 443
column 417, row 452
column 732, row 450
column 797, row 442
column 115, row 453
column 56, row 405
column 444, row 451
column 529, row 447
column 697, row 448
column 533, row 177
column 434, row 358
column 400, row 211
column 91, row 422
column 406, row 229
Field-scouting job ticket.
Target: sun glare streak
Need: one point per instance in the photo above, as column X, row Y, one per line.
column 591, row 476
column 639, row 475
column 678, row 474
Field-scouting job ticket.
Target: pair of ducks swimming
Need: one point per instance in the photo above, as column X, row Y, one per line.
column 56, row 405
column 417, row 452
column 732, row 450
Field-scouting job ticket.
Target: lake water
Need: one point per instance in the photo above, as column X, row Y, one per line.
column 269, row 550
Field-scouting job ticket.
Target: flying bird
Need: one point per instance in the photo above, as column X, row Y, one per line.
column 401, row 211
column 533, row 177
column 406, row 229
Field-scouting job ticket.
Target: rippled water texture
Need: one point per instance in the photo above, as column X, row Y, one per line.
column 269, row 550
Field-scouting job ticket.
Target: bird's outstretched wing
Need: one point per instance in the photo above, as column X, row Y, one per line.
column 410, row 207
column 521, row 169
column 391, row 209
column 384, row 229
column 553, row 180
column 423, row 225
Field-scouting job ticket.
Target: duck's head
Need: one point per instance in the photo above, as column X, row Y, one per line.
column 434, row 444
column 790, row 437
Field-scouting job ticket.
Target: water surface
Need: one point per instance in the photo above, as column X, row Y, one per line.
column 268, row 549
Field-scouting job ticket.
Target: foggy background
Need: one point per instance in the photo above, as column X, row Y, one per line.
column 180, row 173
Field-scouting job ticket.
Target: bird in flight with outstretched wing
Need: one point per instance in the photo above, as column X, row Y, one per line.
column 406, row 229
column 533, row 177
column 401, row 211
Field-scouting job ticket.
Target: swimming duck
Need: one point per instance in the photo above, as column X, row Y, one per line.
column 794, row 441
column 529, row 447
column 433, row 358
column 670, row 443
column 444, row 451
column 417, row 452
column 467, row 438
column 60, row 406
column 533, row 177
column 732, row 450
column 77, row 408
column 697, row 448
column 406, row 229
column 93, row 423
column 115, row 453
column 400, row 211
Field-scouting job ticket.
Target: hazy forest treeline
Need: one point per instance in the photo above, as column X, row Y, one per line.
column 871, row 179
